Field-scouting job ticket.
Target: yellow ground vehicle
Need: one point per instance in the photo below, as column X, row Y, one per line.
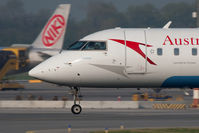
column 11, row 59
column 21, row 55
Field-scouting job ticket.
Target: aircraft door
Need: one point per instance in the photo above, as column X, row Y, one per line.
column 135, row 51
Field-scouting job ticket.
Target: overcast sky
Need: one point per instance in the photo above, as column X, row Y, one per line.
column 79, row 7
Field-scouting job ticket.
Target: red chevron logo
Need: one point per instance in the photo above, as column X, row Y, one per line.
column 136, row 47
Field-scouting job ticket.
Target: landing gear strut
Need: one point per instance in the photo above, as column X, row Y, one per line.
column 76, row 108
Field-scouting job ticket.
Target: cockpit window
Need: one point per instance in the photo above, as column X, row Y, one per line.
column 77, row 45
column 95, row 46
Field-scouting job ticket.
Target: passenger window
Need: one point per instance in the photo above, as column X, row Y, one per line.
column 194, row 51
column 95, row 46
column 176, row 51
column 159, row 51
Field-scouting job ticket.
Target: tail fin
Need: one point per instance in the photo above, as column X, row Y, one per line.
column 52, row 36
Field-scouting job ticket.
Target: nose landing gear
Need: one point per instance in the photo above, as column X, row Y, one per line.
column 76, row 108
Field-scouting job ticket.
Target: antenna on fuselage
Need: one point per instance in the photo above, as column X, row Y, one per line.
column 166, row 26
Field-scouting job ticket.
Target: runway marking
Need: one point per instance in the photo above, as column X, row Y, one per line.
column 30, row 132
column 34, row 81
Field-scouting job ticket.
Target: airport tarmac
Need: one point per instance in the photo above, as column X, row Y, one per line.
column 57, row 120
column 48, row 91
column 20, row 121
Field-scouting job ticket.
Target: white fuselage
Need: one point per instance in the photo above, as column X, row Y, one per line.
column 132, row 58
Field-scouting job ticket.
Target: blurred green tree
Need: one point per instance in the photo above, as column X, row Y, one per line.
column 180, row 14
column 18, row 26
column 144, row 16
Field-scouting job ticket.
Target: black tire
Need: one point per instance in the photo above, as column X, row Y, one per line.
column 76, row 109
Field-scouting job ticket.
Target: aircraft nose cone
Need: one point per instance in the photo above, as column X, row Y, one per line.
column 46, row 70
column 35, row 72
column 31, row 73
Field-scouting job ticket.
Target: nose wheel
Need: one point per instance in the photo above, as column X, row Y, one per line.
column 76, row 108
